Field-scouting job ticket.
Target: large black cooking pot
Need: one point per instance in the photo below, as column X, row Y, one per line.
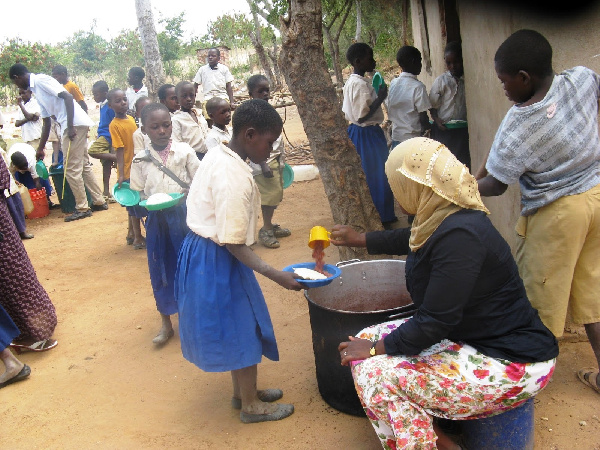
column 366, row 293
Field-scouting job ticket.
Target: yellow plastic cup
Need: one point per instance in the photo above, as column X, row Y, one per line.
column 318, row 233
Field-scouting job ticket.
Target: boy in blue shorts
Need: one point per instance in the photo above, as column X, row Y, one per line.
column 548, row 142
column 101, row 148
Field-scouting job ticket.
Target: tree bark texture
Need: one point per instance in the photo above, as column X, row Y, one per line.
column 155, row 74
column 302, row 60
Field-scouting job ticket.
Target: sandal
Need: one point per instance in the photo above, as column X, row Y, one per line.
column 24, row 373
column 39, row 346
column 588, row 377
column 267, row 238
column 129, row 240
column 280, row 232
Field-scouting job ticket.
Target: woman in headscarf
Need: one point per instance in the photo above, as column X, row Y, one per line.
column 475, row 346
column 21, row 294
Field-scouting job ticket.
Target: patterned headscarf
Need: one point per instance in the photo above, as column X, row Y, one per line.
column 430, row 183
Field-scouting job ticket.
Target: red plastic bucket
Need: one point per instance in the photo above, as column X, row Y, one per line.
column 40, row 203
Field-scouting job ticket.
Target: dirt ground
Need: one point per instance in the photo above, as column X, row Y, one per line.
column 107, row 386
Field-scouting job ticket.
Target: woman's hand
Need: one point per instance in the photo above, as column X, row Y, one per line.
column 354, row 350
column 346, row 236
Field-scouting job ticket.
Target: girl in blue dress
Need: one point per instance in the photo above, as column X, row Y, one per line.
column 224, row 323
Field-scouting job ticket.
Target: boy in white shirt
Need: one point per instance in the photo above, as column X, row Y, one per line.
column 215, row 79
column 28, row 118
column 448, row 102
column 189, row 125
column 407, row 102
column 55, row 101
column 219, row 111
column 136, row 89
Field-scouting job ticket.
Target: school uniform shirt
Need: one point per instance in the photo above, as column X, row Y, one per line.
column 28, row 152
column 46, row 90
column 224, row 202
column 132, row 95
column 149, row 179
column 358, row 96
column 217, row 136
column 141, row 141
column 30, row 130
column 107, row 114
column 552, row 147
column 185, row 129
column 214, row 81
column 74, row 90
column 407, row 97
column 447, row 95
column 121, row 133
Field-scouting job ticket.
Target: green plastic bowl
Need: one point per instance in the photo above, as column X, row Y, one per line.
column 453, row 124
column 41, row 170
column 377, row 81
column 175, row 200
column 125, row 195
column 288, row 175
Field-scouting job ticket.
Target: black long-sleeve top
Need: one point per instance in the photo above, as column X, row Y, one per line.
column 466, row 286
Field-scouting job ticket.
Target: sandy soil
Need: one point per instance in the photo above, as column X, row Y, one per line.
column 107, row 386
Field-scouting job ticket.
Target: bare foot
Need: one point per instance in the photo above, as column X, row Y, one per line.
column 11, row 372
column 163, row 336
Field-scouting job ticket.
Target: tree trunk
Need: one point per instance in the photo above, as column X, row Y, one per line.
column 155, row 74
column 303, row 63
column 258, row 45
column 405, row 22
column 337, row 68
column 358, row 21
column 273, row 55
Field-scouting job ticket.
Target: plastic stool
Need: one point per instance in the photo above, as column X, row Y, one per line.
column 511, row 430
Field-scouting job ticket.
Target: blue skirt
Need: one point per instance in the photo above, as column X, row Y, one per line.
column 165, row 231
column 17, row 211
column 224, row 323
column 8, row 329
column 372, row 148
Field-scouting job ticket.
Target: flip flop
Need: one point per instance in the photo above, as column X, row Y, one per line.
column 266, row 395
column 282, row 411
column 139, row 246
column 39, row 346
column 24, row 373
column 590, row 379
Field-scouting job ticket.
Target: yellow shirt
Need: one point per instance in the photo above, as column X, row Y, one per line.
column 73, row 90
column 121, row 133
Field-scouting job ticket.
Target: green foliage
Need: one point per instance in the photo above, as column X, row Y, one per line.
column 230, row 30
column 88, row 52
column 124, row 52
column 170, row 43
column 39, row 58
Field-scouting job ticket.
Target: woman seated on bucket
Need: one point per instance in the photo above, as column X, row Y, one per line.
column 475, row 346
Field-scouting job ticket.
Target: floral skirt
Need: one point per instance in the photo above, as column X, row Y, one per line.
column 400, row 394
